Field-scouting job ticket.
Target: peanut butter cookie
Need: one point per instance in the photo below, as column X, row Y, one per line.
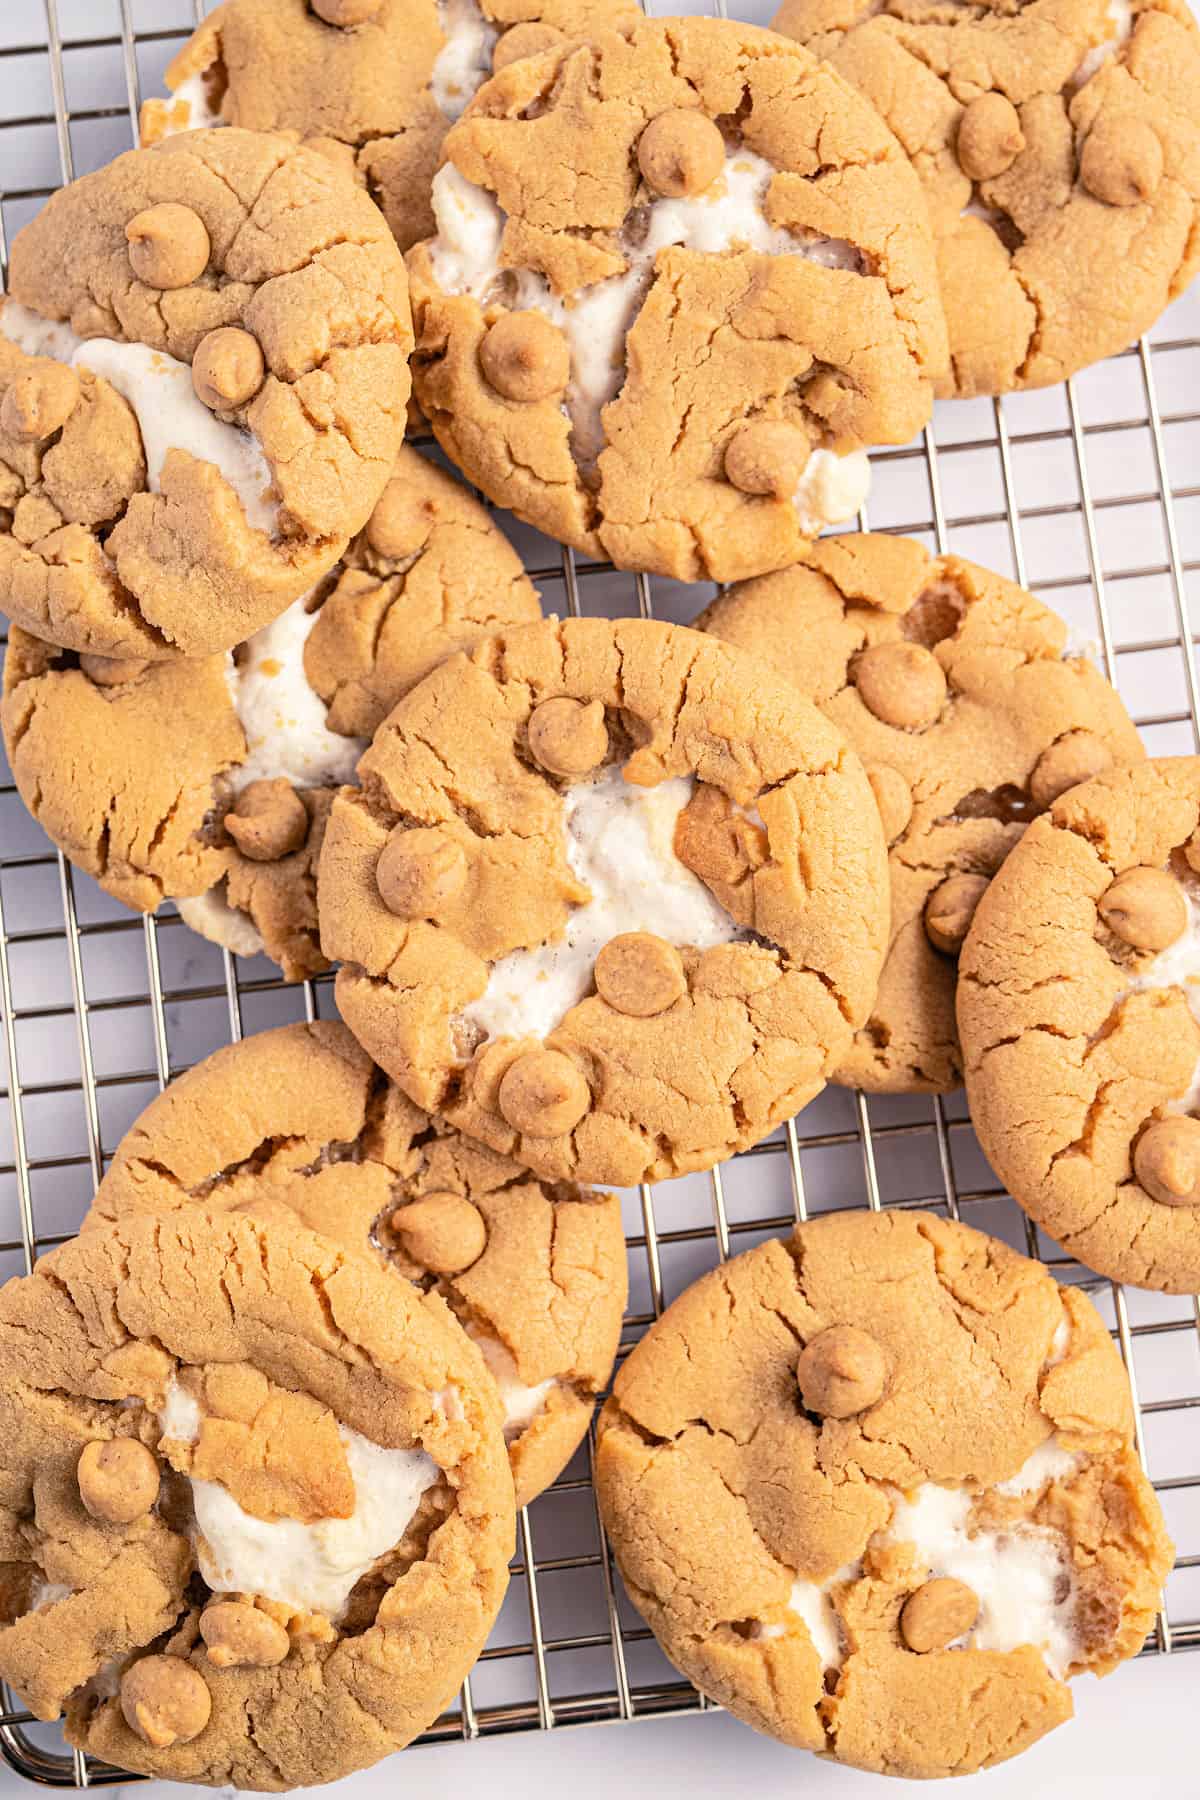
column 208, row 780
column 1058, row 143
column 203, row 387
column 255, row 1511
column 297, row 1123
column 375, row 84
column 1079, row 1007
column 956, row 689
column 611, row 898
column 682, row 277
column 874, row 1488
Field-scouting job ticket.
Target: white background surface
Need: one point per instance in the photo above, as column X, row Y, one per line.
column 1134, row 1732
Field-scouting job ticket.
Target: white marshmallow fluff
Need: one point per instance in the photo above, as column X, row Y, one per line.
column 464, row 62
column 620, row 844
column 811, row 1601
column 169, row 416
column 1120, row 21
column 211, row 916
column 312, row 1568
column 200, row 115
column 1021, row 1576
column 1179, row 966
column 522, row 1404
column 596, row 321
column 283, row 718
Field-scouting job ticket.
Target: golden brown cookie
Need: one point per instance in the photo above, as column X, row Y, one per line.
column 1058, row 144
column 208, row 780
column 255, row 1509
column 626, row 807
column 1079, row 1008
column 732, row 256
column 203, row 385
column 874, row 1488
column 375, row 84
column 956, row 689
column 297, row 1123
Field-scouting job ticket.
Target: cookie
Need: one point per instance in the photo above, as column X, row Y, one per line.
column 874, row 1488
column 208, row 780
column 956, row 688
column 297, row 1123
column 611, row 898
column 1058, row 144
column 682, row 277
column 255, row 1510
column 1080, row 1018
column 374, row 84
column 203, row 387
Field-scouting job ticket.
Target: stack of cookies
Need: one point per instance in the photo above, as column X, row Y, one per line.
column 608, row 900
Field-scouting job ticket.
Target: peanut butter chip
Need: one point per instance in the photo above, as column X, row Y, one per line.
column 228, row 368
column 527, row 39
column 1145, row 908
column 165, row 1701
column 268, row 820
column 443, row 1232
column 681, row 152
column 640, row 974
column 346, row 12
column 525, row 357
column 939, row 1612
column 768, row 457
column 241, row 1637
column 112, row 671
column 950, row 909
column 1075, row 757
column 418, row 871
column 1166, row 1161
column 1122, row 160
column 568, row 737
column 841, row 1372
column 168, row 245
column 401, row 522
column 902, row 684
column 39, row 401
column 118, row 1480
column 989, row 137
column 893, row 797
column 543, row 1094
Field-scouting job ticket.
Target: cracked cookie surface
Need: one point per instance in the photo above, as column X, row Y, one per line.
column 203, row 386
column 611, row 898
column 956, row 689
column 254, row 1502
column 1078, row 1007
column 682, row 278
column 298, row 1124
column 1058, row 144
column 875, row 1490
column 208, row 780
column 377, row 94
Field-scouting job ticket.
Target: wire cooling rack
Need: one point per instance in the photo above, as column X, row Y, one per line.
column 1079, row 491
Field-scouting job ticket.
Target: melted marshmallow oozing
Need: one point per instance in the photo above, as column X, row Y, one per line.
column 522, row 1404
column 192, row 95
column 309, row 1567
column 596, row 321
column 169, row 416
column 211, row 916
column 1120, row 19
column 464, row 61
column 283, row 718
column 811, row 1601
column 1179, row 966
column 620, row 844
column 1021, row 1575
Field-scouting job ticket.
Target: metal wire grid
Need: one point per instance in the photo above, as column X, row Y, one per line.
column 100, row 1008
